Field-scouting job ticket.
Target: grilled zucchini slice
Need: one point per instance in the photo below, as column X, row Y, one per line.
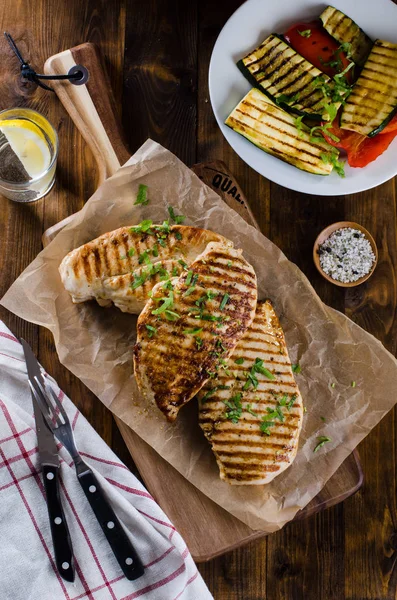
column 273, row 130
column 345, row 30
column 373, row 100
column 280, row 72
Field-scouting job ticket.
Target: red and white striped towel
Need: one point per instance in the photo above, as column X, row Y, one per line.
column 27, row 568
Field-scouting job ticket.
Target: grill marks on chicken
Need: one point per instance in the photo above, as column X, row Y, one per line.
column 91, row 271
column 191, row 325
column 252, row 412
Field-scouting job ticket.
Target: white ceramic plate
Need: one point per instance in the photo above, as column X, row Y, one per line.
column 245, row 30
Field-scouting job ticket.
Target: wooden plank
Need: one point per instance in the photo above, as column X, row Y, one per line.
column 372, row 549
column 160, row 75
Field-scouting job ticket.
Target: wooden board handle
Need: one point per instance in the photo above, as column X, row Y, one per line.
column 91, row 106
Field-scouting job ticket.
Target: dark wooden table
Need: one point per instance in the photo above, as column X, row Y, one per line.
column 157, row 55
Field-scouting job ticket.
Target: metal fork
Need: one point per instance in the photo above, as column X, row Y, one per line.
column 59, row 424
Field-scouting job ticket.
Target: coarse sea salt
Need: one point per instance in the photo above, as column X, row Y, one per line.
column 346, row 255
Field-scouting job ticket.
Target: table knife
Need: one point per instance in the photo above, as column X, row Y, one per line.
column 49, row 461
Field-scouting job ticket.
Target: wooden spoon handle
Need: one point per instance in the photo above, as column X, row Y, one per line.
column 91, row 106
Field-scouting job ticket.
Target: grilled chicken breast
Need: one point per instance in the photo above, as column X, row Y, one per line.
column 191, row 325
column 86, row 270
column 251, row 413
column 128, row 294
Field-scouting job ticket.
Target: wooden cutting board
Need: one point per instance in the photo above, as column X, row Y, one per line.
column 93, row 110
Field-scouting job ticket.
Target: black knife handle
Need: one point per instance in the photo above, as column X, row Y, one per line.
column 59, row 528
column 119, row 542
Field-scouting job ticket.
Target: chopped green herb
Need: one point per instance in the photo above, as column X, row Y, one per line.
column 189, row 277
column 183, row 264
column 235, row 408
column 229, row 263
column 296, row 368
column 199, row 342
column 175, row 271
column 283, row 400
column 239, row 361
column 144, row 257
column 189, row 291
column 151, row 330
column 291, row 402
column 142, row 195
column 321, row 440
column 194, row 279
column 170, row 315
column 280, row 413
column 178, row 235
column 161, row 242
column 323, row 419
column 265, row 425
column 259, row 368
column 178, row 219
column 299, row 124
column 286, row 99
column 193, row 331
column 353, row 384
column 306, row 33
column 167, row 304
column 143, row 227
column 225, row 300
column 249, row 410
column 131, row 252
column 155, row 251
column 333, row 385
column 138, row 281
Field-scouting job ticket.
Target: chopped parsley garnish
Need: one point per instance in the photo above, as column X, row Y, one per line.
column 239, row 361
column 183, row 264
column 332, row 159
column 189, row 291
column 171, row 315
column 144, row 258
column 291, row 402
column 306, row 33
column 151, row 330
column 321, row 440
column 143, row 227
column 199, row 342
column 229, row 263
column 178, row 235
column 353, row 384
column 286, row 99
column 299, row 125
column 265, row 425
column 193, row 331
column 155, row 251
column 139, row 280
column 259, row 368
column 296, row 368
column 323, row 419
column 225, row 300
column 167, row 304
column 235, row 408
column 189, row 278
column 283, row 400
column 249, row 410
column 212, row 391
column 175, row 271
column 178, row 219
column 194, row 279
column 333, row 384
column 142, row 195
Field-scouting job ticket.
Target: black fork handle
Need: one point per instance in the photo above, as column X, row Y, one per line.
column 119, row 542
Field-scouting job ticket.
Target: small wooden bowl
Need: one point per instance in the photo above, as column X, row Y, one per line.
column 326, row 233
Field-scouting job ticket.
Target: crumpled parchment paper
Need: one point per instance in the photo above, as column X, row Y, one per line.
column 96, row 344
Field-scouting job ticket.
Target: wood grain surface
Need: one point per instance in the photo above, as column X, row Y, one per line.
column 157, row 56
